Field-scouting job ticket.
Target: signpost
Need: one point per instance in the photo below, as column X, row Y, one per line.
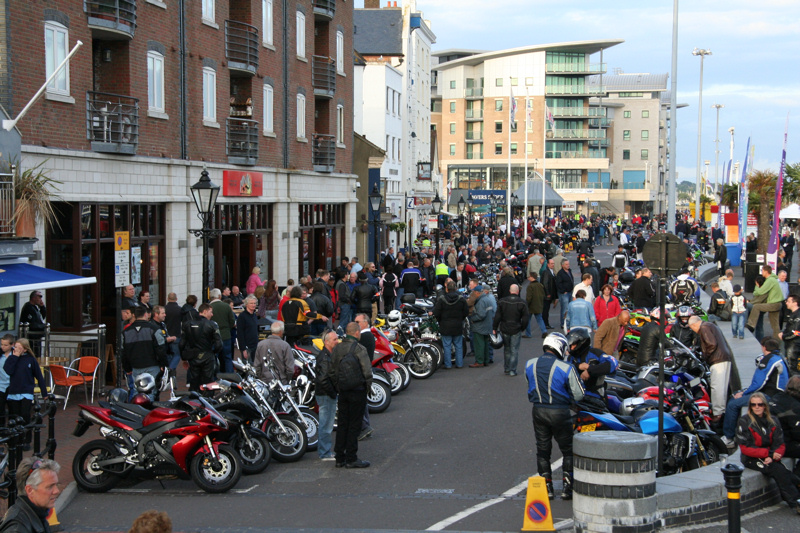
column 122, row 278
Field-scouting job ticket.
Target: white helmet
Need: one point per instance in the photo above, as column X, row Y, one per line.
column 393, row 318
column 557, row 343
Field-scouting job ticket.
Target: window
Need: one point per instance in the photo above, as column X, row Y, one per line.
column 529, row 148
column 452, row 149
column 208, row 10
column 498, row 105
column 644, row 155
column 645, row 135
column 631, row 95
column 301, row 35
column 513, row 148
column 340, row 52
column 514, row 82
column 209, row 94
column 645, row 113
column 340, row 125
column 626, row 155
column 498, row 148
column 626, row 135
column 626, row 114
column 498, row 82
column 56, row 41
column 452, row 84
column 155, row 81
column 452, row 128
column 498, row 127
column 514, row 127
column 269, row 109
column 301, row 116
column 528, row 81
column 266, row 21
column 452, row 107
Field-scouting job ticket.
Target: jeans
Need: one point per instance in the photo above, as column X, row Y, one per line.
column 226, row 357
column 732, row 413
column 563, row 302
column 400, row 292
column 539, row 321
column 456, row 343
column 511, row 351
column 737, row 324
column 174, row 353
column 345, row 315
column 327, row 414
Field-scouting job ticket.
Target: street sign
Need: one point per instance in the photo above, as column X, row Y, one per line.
column 433, row 222
column 122, row 240
column 122, row 261
column 411, row 203
column 568, row 206
column 595, row 204
column 664, row 254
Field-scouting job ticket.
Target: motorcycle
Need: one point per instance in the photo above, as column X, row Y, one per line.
column 181, row 441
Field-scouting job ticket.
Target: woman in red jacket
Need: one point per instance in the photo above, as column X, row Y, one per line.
column 607, row 305
column 760, row 439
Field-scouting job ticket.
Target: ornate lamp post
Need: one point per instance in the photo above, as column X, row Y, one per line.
column 461, row 204
column 436, row 206
column 204, row 194
column 470, row 202
column 375, row 200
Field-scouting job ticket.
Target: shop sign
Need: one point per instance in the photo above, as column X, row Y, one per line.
column 568, row 206
column 424, row 171
column 241, row 183
column 481, row 196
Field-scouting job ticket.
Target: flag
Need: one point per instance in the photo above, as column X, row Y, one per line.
column 513, row 106
column 549, row 116
column 528, row 114
column 743, row 196
column 776, row 219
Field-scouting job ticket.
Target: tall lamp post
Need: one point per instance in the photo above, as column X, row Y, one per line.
column 716, row 155
column 514, row 204
column 470, row 202
column 492, row 207
column 702, row 53
column 204, row 194
column 375, row 206
column 461, row 204
column 436, row 206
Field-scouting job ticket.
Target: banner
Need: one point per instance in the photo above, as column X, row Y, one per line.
column 776, row 219
column 743, row 198
column 241, row 183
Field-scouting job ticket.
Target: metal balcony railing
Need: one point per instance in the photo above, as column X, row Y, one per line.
column 473, row 92
column 573, row 154
column 474, row 113
column 600, row 122
column 559, row 183
column 7, row 228
column 112, row 122
column 574, row 68
column 241, row 46
column 574, row 89
column 323, row 76
column 324, row 9
column 324, row 152
column 242, row 141
column 474, row 135
column 116, row 15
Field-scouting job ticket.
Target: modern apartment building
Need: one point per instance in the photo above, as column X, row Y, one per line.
column 258, row 92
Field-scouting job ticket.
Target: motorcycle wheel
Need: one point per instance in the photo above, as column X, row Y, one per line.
column 288, row 446
column 379, row 397
column 714, row 448
column 87, row 474
column 311, row 420
column 424, row 364
column 255, row 455
column 406, row 375
column 396, row 379
column 220, row 479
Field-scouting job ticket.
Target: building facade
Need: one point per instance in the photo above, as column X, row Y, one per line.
column 260, row 97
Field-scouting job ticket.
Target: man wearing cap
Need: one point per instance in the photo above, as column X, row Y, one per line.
column 34, row 314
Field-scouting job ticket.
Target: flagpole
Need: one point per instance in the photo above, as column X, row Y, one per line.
column 544, row 152
column 508, row 180
column 525, row 202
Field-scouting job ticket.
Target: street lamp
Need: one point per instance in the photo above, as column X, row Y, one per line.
column 493, row 215
column 436, row 206
column 461, row 204
column 702, row 53
column 514, row 204
column 470, row 202
column 204, row 194
column 375, row 206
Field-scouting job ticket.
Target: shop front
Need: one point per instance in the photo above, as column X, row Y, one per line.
column 322, row 237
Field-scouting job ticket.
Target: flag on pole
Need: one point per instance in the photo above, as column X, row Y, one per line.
column 776, row 219
column 743, row 196
column 528, row 114
column 550, row 118
column 513, row 106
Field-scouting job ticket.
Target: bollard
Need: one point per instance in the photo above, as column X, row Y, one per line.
column 12, row 460
column 733, row 483
column 37, row 428
column 51, row 431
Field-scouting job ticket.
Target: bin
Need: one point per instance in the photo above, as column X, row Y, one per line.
column 734, row 253
column 751, row 271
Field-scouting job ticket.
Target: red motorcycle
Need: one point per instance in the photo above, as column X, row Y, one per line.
column 176, row 441
column 398, row 375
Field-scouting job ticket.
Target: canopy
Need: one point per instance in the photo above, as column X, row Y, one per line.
column 23, row 277
column 792, row 211
column 551, row 198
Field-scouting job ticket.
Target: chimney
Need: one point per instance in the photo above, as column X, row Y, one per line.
column 372, row 4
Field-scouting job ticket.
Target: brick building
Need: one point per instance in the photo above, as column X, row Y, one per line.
column 260, row 97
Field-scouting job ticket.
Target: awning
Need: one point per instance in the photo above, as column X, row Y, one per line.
column 24, row 277
column 552, row 198
column 792, row 211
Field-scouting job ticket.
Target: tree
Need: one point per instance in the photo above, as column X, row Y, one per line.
column 761, row 199
column 730, row 197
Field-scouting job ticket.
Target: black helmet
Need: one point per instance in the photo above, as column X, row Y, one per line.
column 496, row 341
column 118, row 396
column 579, row 341
column 627, row 277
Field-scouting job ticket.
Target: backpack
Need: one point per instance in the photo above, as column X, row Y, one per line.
column 724, row 306
column 349, row 376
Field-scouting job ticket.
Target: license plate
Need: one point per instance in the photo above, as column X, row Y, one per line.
column 588, row 427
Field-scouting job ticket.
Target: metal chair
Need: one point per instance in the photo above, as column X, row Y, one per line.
column 61, row 378
column 87, row 366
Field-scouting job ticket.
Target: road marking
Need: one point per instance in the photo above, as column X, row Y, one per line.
column 435, row 491
column 510, row 493
column 140, row 491
column 245, row 491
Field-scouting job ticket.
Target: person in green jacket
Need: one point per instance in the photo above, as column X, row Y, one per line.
column 442, row 272
column 770, row 300
column 534, row 296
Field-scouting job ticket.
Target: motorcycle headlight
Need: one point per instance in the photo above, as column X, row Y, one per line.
column 301, row 380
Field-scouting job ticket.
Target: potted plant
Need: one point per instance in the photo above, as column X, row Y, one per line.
column 34, row 193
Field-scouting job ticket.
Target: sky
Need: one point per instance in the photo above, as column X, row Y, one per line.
column 754, row 69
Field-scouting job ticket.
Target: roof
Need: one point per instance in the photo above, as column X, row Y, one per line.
column 586, row 47
column 630, row 82
column 378, row 31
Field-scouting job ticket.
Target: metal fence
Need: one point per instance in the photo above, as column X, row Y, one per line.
column 323, row 75
column 324, row 152
column 7, row 205
column 116, row 14
column 242, row 138
column 241, row 44
column 112, row 120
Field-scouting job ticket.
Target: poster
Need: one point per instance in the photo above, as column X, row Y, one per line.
column 136, row 265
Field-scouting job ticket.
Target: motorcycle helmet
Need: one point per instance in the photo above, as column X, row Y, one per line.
column 579, row 341
column 684, row 313
column 393, row 318
column 145, row 383
column 557, row 343
column 496, row 340
column 142, row 399
column 118, row 396
column 408, row 298
column 656, row 313
column 627, row 277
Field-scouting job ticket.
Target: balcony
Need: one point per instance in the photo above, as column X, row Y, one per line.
column 324, row 152
column 324, row 10
column 575, row 68
column 241, row 47
column 323, row 76
column 576, row 133
column 112, row 123
column 473, row 114
column 575, row 90
column 242, row 141
column 575, row 112
column 474, row 136
column 600, row 122
column 7, row 226
column 573, row 154
column 111, row 20
column 560, row 183
column 598, row 143
column 473, row 93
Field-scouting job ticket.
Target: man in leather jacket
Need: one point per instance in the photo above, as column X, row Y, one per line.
column 325, row 393
column 37, row 489
column 511, row 319
column 200, row 344
column 144, row 349
column 791, row 334
column 718, row 357
column 363, row 295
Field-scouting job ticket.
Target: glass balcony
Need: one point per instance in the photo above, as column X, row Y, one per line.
column 570, row 111
column 575, row 90
column 575, row 68
column 241, row 47
column 324, row 10
column 474, row 136
column 559, row 183
column 573, row 154
column 597, row 111
column 474, row 114
column 111, row 18
column 323, row 76
column 242, row 141
column 324, row 152
column 112, row 123
column 473, row 92
column 600, row 122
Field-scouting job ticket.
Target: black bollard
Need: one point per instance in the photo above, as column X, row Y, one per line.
column 51, row 430
column 733, row 483
column 13, row 461
column 37, row 428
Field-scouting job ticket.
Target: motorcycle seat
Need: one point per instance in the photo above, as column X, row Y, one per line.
column 628, row 420
column 233, row 377
column 415, row 309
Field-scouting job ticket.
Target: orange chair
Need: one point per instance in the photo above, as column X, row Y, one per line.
column 62, row 378
column 87, row 366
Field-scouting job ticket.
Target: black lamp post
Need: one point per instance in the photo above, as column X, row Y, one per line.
column 470, row 202
column 204, row 194
column 461, row 204
column 375, row 205
column 514, row 204
column 492, row 212
column 436, row 206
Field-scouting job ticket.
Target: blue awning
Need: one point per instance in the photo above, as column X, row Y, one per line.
column 24, row 277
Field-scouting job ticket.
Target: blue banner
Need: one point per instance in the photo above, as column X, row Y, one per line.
column 743, row 198
column 481, row 196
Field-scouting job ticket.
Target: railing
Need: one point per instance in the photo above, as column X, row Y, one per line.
column 572, row 68
column 633, row 185
column 569, row 111
column 474, row 113
column 473, row 92
column 242, row 140
column 598, row 143
column 325, row 8
column 574, row 89
column 323, row 75
column 241, row 46
column 475, row 155
column 577, row 133
column 572, row 154
column 600, row 122
column 7, row 228
column 574, row 184
column 112, row 14
column 324, row 152
column 474, row 135
column 112, row 122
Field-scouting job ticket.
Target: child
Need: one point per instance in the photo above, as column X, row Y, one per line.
column 6, row 347
column 738, row 311
column 288, row 289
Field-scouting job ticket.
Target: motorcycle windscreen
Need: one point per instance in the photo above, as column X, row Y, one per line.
column 649, row 423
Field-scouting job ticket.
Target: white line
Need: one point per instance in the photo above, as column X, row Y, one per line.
column 244, row 491
column 510, row 493
column 142, row 491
